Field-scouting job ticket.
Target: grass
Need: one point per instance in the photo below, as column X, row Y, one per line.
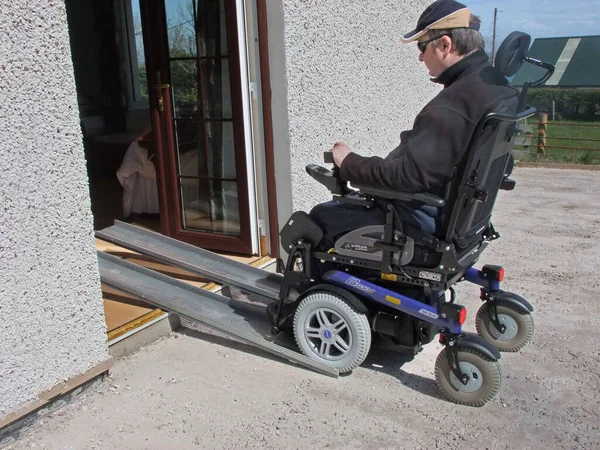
column 571, row 135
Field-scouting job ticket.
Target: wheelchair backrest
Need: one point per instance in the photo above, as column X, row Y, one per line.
column 472, row 193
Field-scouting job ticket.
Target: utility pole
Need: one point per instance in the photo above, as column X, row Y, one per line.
column 494, row 37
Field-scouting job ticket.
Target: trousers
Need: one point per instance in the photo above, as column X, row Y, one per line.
column 338, row 218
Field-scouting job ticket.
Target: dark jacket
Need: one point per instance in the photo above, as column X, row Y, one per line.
column 427, row 155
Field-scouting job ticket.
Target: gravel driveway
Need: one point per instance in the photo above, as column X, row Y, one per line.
column 190, row 390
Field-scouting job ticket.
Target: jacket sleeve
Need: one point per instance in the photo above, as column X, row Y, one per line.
column 421, row 163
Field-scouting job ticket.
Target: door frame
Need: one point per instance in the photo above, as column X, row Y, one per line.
column 267, row 119
column 157, row 56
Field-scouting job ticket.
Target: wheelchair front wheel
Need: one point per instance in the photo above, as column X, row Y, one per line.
column 519, row 327
column 328, row 329
column 485, row 377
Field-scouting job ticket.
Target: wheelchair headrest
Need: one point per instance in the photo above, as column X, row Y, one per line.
column 512, row 53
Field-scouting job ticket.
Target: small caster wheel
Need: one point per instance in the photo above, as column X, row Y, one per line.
column 328, row 329
column 518, row 325
column 485, row 377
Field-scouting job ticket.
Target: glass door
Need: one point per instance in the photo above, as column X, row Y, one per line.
column 198, row 117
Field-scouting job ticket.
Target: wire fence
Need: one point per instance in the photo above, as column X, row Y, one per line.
column 570, row 138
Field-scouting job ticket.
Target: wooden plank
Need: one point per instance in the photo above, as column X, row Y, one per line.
column 109, row 247
column 259, row 262
column 119, row 313
column 263, row 261
column 137, row 323
column 60, row 389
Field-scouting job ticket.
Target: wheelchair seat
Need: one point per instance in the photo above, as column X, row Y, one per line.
column 362, row 243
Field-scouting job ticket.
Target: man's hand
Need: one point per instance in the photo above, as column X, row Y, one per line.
column 340, row 151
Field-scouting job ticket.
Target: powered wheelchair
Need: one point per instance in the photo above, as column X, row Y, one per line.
column 397, row 281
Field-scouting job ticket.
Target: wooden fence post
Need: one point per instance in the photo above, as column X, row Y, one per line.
column 542, row 132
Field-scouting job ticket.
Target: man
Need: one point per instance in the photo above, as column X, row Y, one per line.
column 452, row 50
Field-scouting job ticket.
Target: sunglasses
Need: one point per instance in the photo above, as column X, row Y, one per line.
column 422, row 46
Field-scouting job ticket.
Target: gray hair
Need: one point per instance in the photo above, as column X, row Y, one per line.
column 465, row 40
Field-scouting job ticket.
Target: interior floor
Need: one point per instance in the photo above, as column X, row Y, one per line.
column 199, row 221
column 106, row 195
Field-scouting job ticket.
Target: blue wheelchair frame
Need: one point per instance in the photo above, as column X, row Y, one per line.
column 392, row 299
column 406, row 304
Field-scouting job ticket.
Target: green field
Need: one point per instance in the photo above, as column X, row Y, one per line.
column 574, row 135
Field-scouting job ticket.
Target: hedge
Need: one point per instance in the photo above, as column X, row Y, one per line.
column 570, row 104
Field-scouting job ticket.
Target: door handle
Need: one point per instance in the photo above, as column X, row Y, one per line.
column 159, row 87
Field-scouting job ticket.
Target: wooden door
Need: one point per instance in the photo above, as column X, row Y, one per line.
column 195, row 88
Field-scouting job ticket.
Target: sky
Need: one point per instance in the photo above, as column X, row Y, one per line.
column 543, row 18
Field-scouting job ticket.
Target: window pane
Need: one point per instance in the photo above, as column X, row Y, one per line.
column 135, row 53
column 211, row 28
column 195, row 160
column 180, row 26
column 184, row 78
column 191, row 149
column 215, row 88
column 210, row 206
column 216, row 100
column 196, row 28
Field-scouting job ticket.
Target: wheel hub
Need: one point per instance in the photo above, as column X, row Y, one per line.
column 475, row 378
column 510, row 331
column 328, row 334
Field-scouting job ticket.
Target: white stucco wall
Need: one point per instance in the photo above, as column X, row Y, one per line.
column 52, row 324
column 346, row 77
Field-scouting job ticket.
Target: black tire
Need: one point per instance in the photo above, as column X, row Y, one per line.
column 485, row 377
column 344, row 346
column 520, row 327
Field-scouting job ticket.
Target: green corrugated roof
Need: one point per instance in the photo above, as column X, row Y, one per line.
column 577, row 61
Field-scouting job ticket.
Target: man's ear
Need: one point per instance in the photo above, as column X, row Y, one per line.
column 445, row 44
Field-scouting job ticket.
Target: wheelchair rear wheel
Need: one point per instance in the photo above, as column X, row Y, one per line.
column 485, row 377
column 328, row 329
column 518, row 323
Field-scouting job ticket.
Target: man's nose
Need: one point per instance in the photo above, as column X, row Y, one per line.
column 420, row 56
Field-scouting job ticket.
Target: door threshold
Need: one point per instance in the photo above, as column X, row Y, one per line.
column 136, row 325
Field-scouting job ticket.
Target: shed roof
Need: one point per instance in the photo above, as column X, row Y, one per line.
column 577, row 62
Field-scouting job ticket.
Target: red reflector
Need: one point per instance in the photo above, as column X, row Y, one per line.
column 442, row 339
column 501, row 274
column 462, row 316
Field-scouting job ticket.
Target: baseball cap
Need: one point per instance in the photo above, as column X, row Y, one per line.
column 441, row 15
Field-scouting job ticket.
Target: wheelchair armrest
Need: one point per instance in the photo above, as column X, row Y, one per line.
column 508, row 184
column 428, row 199
column 328, row 179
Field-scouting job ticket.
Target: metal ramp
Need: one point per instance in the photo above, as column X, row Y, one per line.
column 242, row 320
column 215, row 267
